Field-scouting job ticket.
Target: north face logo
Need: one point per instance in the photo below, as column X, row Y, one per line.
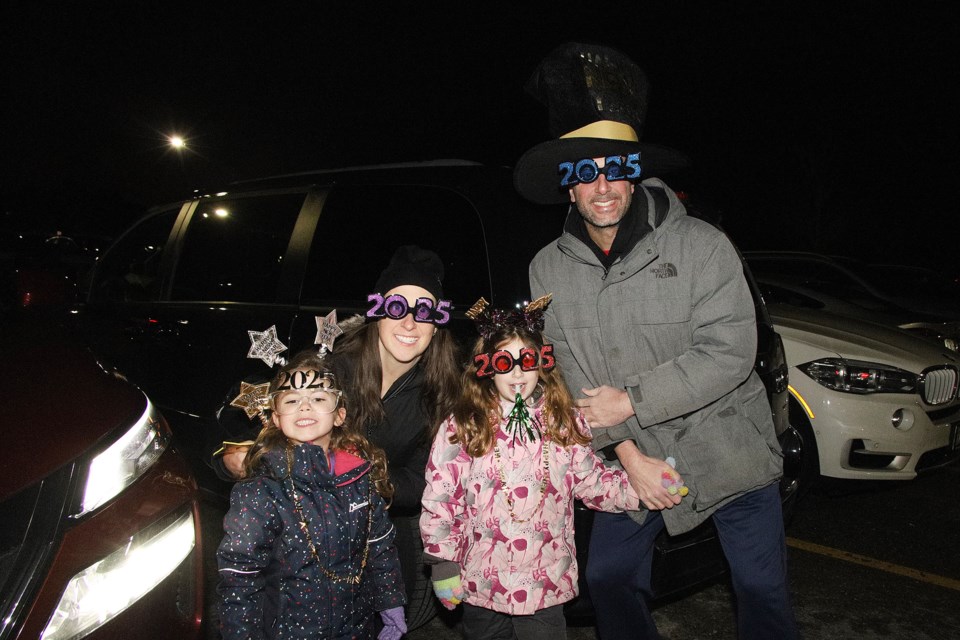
column 665, row 270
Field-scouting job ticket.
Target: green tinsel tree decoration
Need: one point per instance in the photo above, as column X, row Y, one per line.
column 520, row 424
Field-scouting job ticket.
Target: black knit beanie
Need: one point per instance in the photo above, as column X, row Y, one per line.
column 412, row 265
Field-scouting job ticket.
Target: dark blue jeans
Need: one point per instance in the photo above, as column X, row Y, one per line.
column 751, row 533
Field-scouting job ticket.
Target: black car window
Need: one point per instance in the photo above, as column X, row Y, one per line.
column 773, row 294
column 130, row 269
column 234, row 248
column 831, row 281
column 818, row 276
column 360, row 227
column 912, row 281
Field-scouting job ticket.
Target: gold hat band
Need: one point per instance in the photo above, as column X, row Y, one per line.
column 609, row 129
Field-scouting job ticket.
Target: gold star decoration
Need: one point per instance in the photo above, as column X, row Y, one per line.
column 265, row 345
column 253, row 398
column 327, row 331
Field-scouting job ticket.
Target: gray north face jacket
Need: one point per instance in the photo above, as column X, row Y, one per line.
column 673, row 323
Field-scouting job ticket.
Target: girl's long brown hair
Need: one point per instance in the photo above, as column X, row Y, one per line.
column 477, row 412
column 359, row 347
column 343, row 438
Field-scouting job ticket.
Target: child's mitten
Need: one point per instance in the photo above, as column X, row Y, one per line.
column 673, row 484
column 394, row 626
column 449, row 591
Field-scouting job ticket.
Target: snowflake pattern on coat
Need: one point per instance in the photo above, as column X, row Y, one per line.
column 507, row 565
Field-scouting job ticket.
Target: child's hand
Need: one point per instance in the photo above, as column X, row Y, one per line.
column 449, row 591
column 647, row 476
column 394, row 626
column 672, row 482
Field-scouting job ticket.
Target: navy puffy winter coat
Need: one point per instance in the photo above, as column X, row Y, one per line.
column 264, row 556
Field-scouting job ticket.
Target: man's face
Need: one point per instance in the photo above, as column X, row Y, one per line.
column 601, row 203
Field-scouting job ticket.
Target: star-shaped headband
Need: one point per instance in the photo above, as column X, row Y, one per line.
column 267, row 347
column 264, row 345
column 327, row 331
column 528, row 317
column 254, row 399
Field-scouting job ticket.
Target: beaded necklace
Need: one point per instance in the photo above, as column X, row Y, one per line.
column 305, row 527
column 545, row 457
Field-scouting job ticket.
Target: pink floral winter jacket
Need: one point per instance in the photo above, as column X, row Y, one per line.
column 521, row 559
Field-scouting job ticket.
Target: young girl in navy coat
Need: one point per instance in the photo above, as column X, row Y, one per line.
column 308, row 548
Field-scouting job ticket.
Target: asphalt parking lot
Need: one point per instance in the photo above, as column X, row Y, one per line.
column 867, row 560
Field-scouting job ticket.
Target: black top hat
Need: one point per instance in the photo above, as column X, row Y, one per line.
column 596, row 98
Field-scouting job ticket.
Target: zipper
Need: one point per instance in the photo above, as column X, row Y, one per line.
column 406, row 380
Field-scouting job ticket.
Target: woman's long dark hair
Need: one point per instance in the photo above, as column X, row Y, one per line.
column 477, row 411
column 346, row 437
column 441, row 366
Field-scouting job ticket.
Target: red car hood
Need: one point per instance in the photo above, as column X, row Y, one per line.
column 59, row 402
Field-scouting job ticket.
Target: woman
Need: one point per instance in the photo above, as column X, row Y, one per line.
column 401, row 377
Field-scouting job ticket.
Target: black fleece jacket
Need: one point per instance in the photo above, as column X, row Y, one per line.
column 404, row 436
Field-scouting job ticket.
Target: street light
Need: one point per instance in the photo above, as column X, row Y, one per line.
column 177, row 142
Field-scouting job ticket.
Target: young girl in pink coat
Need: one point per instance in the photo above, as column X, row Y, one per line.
column 504, row 469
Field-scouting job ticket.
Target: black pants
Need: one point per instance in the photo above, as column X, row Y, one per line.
column 410, row 551
column 485, row 624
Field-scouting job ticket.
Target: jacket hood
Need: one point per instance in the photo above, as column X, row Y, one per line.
column 309, row 465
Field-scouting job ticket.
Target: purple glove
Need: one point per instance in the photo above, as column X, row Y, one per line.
column 394, row 625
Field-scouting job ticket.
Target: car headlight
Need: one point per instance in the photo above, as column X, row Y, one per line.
column 106, row 588
column 124, row 461
column 853, row 376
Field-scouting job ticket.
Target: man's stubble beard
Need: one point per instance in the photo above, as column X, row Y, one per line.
column 589, row 219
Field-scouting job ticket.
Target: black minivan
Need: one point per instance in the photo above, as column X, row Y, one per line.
column 172, row 300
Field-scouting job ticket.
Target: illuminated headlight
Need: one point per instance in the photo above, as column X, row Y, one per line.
column 105, row 589
column 853, row 376
column 125, row 460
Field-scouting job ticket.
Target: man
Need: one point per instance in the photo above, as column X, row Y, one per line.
column 654, row 325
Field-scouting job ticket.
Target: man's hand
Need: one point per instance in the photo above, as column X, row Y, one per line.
column 233, row 458
column 605, row 406
column 646, row 477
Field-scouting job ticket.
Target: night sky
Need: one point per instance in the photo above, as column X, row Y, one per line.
column 827, row 126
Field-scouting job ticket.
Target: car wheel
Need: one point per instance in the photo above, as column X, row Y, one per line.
column 810, row 466
column 790, row 483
